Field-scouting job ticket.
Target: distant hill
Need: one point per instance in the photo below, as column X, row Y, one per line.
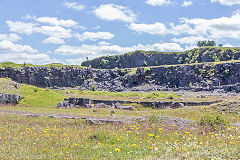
column 14, row 65
column 153, row 58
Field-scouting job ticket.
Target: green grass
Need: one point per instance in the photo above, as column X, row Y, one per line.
column 132, row 96
column 32, row 96
column 14, row 65
column 44, row 138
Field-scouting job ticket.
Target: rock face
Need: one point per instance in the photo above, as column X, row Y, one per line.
column 197, row 77
column 90, row 103
column 145, row 58
column 9, row 98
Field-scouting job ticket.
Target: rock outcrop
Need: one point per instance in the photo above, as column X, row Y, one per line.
column 152, row 58
column 91, row 103
column 6, row 98
column 197, row 77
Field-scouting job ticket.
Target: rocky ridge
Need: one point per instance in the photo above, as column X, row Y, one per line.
column 153, row 58
column 196, row 77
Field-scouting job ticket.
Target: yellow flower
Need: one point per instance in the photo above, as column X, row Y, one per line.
column 99, row 143
column 151, row 135
column 74, row 144
column 56, row 154
column 117, row 149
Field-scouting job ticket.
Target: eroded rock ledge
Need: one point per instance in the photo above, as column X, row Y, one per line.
column 6, row 98
column 71, row 103
column 197, row 77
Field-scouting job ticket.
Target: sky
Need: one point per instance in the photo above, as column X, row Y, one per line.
column 69, row 32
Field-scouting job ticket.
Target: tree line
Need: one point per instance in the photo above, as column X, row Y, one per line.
column 207, row 44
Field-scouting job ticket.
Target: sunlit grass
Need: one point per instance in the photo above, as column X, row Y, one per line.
column 45, row 138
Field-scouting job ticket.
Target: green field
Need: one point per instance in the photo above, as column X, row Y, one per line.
column 191, row 132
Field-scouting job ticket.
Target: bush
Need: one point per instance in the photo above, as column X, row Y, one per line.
column 93, row 87
column 104, row 63
column 214, row 122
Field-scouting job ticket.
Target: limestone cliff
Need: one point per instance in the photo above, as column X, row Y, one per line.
column 197, row 77
column 152, row 58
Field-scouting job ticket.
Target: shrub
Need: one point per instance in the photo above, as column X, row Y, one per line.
column 214, row 122
column 93, row 87
column 104, row 63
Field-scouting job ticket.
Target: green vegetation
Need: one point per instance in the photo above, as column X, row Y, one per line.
column 14, row 65
column 32, row 96
column 206, row 44
column 153, row 58
column 104, row 63
column 48, row 138
column 215, row 123
column 191, row 132
column 137, row 95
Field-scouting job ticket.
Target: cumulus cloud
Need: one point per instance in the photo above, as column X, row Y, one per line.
column 156, row 28
column 158, row 2
column 26, row 57
column 188, row 40
column 100, row 50
column 21, row 27
column 54, row 31
column 111, row 12
column 12, row 37
column 223, row 27
column 57, row 22
column 186, row 3
column 94, row 36
column 74, row 5
column 227, row 2
column 159, row 28
column 7, row 46
column 53, row 40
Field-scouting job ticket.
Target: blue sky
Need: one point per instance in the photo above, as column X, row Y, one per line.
column 59, row 31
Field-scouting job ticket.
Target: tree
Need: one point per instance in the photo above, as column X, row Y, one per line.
column 104, row 63
column 206, row 44
column 220, row 45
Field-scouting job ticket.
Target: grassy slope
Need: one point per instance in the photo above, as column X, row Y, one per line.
column 157, row 52
column 14, row 65
column 33, row 96
column 46, row 138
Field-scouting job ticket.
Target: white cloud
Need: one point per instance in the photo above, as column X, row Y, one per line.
column 12, row 37
column 28, row 58
column 219, row 28
column 54, row 31
column 111, row 12
column 227, row 2
column 101, row 50
column 228, row 45
column 186, row 3
column 28, row 16
column 21, row 27
column 188, row 40
column 156, row 28
column 224, row 27
column 74, row 5
column 94, row 36
column 103, row 43
column 57, row 22
column 7, row 46
column 76, row 61
column 158, row 2
column 53, row 40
